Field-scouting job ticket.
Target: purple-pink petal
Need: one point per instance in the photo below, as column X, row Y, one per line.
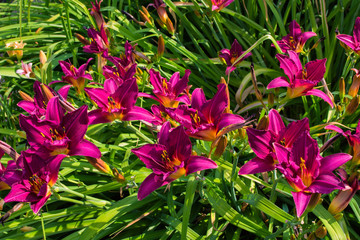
column 275, row 121
column 301, row 200
column 85, row 148
column 76, row 124
column 199, row 163
column 258, row 165
column 278, row 82
column 321, row 94
column 347, row 40
column 331, row 162
column 36, row 206
column 260, row 141
column 150, row 184
column 325, row 183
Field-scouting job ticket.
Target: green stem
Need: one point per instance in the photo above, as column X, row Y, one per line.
column 43, row 226
column 189, row 198
column 139, row 134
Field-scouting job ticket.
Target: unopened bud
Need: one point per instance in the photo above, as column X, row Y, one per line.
column 354, row 88
column 242, row 133
column 263, row 123
column 100, row 165
column 82, row 39
column 352, row 106
column 6, row 148
column 343, row 198
column 321, row 232
column 221, row 145
column 118, row 177
column 314, row 200
column 311, row 236
column 342, row 88
column 327, row 91
column 46, row 92
column 223, row 81
column 145, row 16
column 170, row 26
column 162, row 14
column 338, row 108
column 25, row 96
column 27, row 229
column 161, row 46
column 271, row 98
column 42, row 57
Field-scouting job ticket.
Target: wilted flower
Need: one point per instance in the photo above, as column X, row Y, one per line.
column 231, row 55
column 261, row 142
column 296, row 39
column 96, row 13
column 98, row 41
column 306, row 171
column 301, row 80
column 352, row 41
column 169, row 159
column 217, row 5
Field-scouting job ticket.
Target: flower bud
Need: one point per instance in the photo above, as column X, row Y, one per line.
column 27, row 229
column 311, row 236
column 354, row 88
column 25, row 96
column 162, row 14
column 221, row 145
column 321, row 232
column 99, row 165
column 42, row 57
column 46, row 92
column 118, row 177
column 6, row 148
column 263, row 123
column 342, row 88
column 82, row 39
column 161, row 46
column 145, row 16
column 314, row 200
column 170, row 26
column 352, row 106
column 343, row 198
column 271, row 98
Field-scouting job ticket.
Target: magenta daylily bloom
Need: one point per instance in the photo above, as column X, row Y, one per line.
column 169, row 93
column 306, row 171
column 9, row 174
column 169, row 159
column 261, row 142
column 75, row 77
column 38, row 105
column 99, row 42
column 96, row 13
column 37, row 178
column 59, row 134
column 296, row 39
column 117, row 102
column 352, row 41
column 206, row 119
column 301, row 80
column 353, row 140
column 217, row 5
column 231, row 55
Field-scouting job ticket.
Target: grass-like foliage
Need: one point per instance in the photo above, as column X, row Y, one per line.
column 196, row 119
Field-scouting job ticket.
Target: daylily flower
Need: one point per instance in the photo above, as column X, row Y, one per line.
column 167, row 92
column 8, row 174
column 301, row 80
column 169, row 159
column 217, row 5
column 42, row 95
column 231, row 55
column 98, row 41
column 261, row 142
column 76, row 77
column 96, row 13
column 306, row 171
column 59, row 134
column 206, row 119
column 353, row 140
column 116, row 102
column 26, row 69
column 352, row 41
column 37, row 178
column 15, row 45
column 296, row 39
